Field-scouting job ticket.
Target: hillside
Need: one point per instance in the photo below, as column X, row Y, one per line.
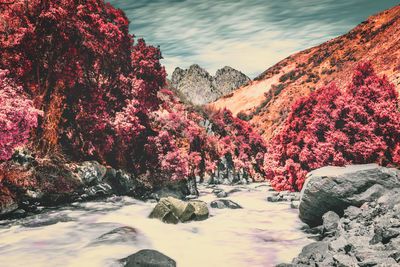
column 198, row 86
column 266, row 100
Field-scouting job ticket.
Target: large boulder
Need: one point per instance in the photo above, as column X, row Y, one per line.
column 148, row 258
column 172, row 210
column 336, row 188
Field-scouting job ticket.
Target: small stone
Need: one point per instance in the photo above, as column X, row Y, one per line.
column 294, row 204
column 19, row 213
column 344, row 260
column 330, row 221
column 352, row 212
column 222, row 194
column 338, row 245
column 224, row 203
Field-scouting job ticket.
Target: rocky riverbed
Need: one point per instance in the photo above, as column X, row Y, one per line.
column 243, row 229
column 351, row 218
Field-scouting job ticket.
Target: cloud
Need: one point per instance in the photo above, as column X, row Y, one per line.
column 247, row 35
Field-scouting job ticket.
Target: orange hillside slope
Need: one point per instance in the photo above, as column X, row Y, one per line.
column 268, row 98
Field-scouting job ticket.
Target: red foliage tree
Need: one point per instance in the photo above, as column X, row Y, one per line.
column 330, row 127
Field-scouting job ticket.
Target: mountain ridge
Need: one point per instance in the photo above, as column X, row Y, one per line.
column 266, row 100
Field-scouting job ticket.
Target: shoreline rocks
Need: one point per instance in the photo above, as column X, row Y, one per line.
column 355, row 212
column 94, row 181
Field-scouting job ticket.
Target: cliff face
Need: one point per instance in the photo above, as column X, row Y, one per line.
column 201, row 88
column 268, row 98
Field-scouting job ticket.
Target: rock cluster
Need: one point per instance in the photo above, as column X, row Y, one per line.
column 201, row 88
column 355, row 212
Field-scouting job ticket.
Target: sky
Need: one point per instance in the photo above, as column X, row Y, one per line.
column 248, row 35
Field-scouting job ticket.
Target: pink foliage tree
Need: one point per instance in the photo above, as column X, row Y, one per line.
column 17, row 116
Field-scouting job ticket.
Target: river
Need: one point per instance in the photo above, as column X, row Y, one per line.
column 98, row 233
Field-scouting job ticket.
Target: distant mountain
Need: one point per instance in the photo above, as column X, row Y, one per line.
column 201, row 88
column 266, row 101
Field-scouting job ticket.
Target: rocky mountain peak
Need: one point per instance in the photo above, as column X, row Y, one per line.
column 228, row 79
column 201, row 88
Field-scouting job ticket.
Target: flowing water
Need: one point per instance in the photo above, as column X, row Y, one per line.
column 98, row 233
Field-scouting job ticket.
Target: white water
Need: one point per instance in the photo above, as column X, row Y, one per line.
column 260, row 234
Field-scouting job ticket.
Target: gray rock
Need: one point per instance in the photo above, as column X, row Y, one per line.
column 224, row 204
column 330, row 222
column 195, row 210
column 352, row 212
column 284, row 196
column 372, row 193
column 341, row 244
column 222, row 194
column 8, row 207
column 119, row 235
column 178, row 189
column 342, row 260
column 91, row 172
column 335, row 188
column 295, row 204
column 122, row 182
column 148, row 258
column 172, row 210
column 98, row 190
column 314, row 252
column 201, row 88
